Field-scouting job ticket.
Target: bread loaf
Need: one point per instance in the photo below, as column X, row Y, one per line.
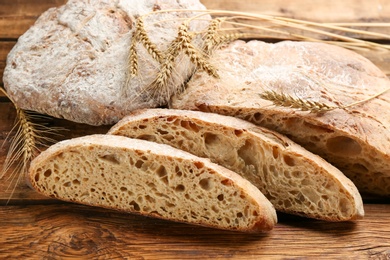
column 73, row 62
column 293, row 179
column 150, row 179
column 355, row 139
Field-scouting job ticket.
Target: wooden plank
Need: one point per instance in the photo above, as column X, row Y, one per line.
column 17, row 16
column 73, row 231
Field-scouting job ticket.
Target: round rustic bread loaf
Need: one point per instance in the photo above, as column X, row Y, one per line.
column 356, row 139
column 72, row 63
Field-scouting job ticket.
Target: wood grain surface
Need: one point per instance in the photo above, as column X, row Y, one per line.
column 35, row 227
column 74, row 231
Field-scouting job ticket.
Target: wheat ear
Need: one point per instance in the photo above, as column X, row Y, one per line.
column 141, row 35
column 21, row 151
column 280, row 99
column 23, row 145
column 214, row 38
column 133, row 58
column 211, row 38
column 160, row 88
column 196, row 56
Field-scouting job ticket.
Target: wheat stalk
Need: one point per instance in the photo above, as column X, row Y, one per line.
column 366, row 99
column 286, row 26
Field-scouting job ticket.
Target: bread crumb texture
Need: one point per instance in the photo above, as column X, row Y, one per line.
column 367, row 166
column 149, row 179
column 293, row 179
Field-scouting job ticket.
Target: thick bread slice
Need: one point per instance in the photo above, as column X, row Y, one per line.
column 293, row 179
column 356, row 140
column 150, row 179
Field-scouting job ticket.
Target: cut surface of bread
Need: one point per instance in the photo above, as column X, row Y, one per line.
column 150, row 179
column 356, row 139
column 293, row 179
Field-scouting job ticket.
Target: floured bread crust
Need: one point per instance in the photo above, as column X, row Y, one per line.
column 356, row 139
column 72, row 62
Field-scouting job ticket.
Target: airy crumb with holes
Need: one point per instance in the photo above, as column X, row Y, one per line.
column 293, row 179
column 150, row 179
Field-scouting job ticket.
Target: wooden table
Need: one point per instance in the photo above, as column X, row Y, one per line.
column 35, row 227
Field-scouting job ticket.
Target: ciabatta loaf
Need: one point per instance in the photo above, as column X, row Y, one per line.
column 150, row 179
column 293, row 179
column 356, row 139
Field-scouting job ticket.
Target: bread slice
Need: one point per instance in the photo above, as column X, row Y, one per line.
column 150, row 179
column 293, row 179
column 356, row 139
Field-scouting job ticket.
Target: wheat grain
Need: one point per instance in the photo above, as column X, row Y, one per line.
column 214, row 38
column 28, row 135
